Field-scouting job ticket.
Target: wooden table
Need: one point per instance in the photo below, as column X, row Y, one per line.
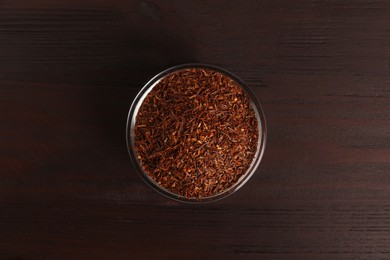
column 69, row 71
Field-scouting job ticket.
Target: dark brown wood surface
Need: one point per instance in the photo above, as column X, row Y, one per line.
column 69, row 71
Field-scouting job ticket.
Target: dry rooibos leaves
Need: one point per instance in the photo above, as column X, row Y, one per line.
column 196, row 133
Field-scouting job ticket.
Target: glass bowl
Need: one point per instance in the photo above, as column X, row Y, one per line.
column 131, row 120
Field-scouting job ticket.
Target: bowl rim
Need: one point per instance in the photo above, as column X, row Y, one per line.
column 137, row 102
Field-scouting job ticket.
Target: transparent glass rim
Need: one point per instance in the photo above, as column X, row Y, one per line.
column 131, row 120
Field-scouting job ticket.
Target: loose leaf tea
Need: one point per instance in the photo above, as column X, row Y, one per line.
column 196, row 133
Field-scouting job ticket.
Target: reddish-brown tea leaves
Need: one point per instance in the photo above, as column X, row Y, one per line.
column 196, row 133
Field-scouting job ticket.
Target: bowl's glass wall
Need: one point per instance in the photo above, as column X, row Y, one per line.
column 131, row 120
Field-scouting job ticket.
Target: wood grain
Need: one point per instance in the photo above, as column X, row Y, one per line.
column 69, row 71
